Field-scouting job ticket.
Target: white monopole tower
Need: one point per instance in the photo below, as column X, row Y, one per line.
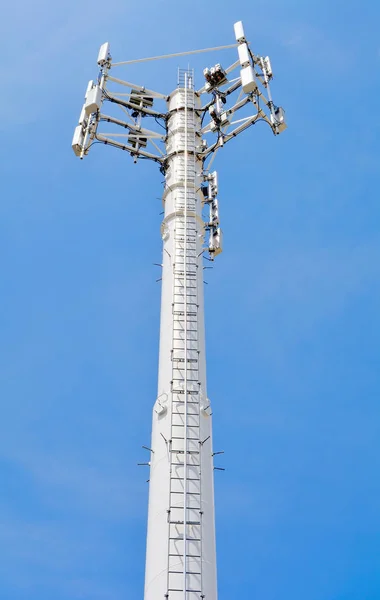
column 181, row 554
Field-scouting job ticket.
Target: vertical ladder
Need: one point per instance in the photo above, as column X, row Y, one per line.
column 185, row 502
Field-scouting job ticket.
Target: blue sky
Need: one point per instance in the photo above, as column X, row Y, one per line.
column 292, row 306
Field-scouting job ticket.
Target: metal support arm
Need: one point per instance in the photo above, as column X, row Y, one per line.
column 131, row 127
column 130, row 149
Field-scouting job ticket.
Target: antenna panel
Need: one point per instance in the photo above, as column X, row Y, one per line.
column 104, row 54
column 94, row 100
column 239, row 32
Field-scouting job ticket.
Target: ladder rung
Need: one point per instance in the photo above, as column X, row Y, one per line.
column 190, row 539
column 189, row 426
column 182, row 360
column 177, row 464
column 187, row 478
column 189, row 305
column 183, row 452
column 181, row 573
column 187, row 523
column 187, row 555
column 181, row 508
column 188, row 590
column 175, row 437
column 189, row 493
column 189, row 369
column 188, row 439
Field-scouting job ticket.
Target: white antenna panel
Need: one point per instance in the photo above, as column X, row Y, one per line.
column 104, row 54
column 244, row 57
column 78, row 139
column 90, row 85
column 83, row 117
column 94, row 100
column 239, row 32
column 268, row 66
column 248, row 81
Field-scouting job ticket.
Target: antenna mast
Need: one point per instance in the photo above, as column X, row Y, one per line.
column 181, row 553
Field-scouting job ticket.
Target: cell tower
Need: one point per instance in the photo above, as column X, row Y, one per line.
column 181, row 553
